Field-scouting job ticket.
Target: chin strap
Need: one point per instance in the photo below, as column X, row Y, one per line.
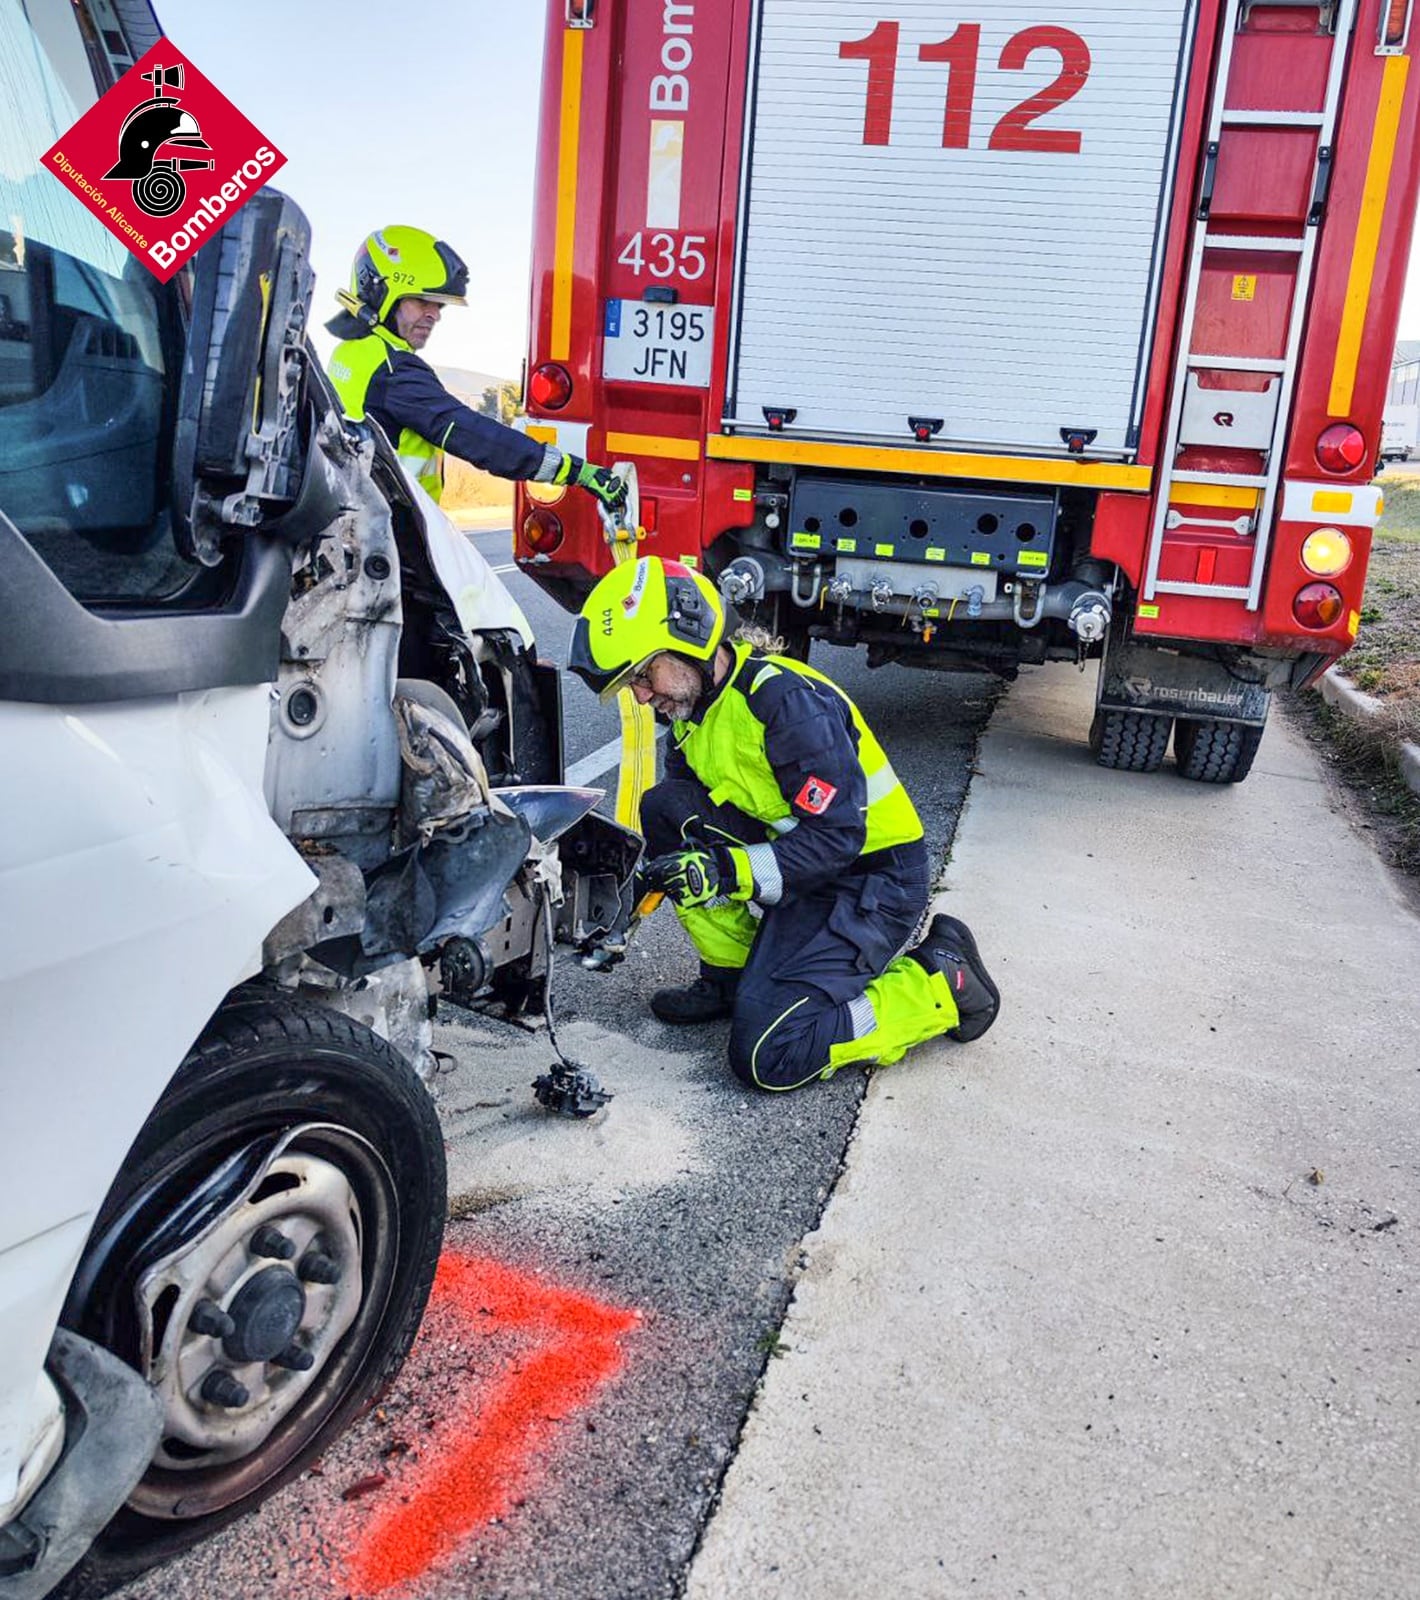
column 358, row 309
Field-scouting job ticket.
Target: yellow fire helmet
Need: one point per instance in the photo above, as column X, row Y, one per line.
column 395, row 262
column 635, row 612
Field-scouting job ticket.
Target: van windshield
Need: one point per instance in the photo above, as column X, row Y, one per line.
column 90, row 344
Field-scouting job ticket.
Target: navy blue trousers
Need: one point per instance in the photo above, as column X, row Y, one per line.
column 814, row 953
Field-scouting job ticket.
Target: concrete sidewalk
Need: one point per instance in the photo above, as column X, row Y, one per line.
column 1120, row 1301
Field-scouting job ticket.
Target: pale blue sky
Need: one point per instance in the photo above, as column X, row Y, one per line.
column 423, row 114
column 426, row 115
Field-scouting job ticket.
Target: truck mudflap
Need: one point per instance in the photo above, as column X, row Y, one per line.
column 1141, row 677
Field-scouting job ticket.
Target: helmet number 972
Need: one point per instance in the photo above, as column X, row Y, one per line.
column 660, row 256
column 402, row 277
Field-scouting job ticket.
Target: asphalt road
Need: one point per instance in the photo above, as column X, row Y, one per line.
column 612, row 1290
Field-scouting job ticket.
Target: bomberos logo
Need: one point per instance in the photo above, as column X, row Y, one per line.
column 186, row 156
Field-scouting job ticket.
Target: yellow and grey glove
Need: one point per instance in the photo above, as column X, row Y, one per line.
column 702, row 876
column 600, row 482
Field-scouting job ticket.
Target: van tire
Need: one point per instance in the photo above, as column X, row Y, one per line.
column 267, row 1067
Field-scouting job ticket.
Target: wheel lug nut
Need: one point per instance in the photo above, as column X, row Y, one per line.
column 209, row 1318
column 295, row 1359
column 269, row 1241
column 220, row 1388
column 316, row 1267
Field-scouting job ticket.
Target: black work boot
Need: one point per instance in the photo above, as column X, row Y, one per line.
column 950, row 949
column 709, row 998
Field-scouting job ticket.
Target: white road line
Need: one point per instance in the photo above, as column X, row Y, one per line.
column 603, row 760
column 512, row 566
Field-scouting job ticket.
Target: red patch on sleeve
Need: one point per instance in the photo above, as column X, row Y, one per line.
column 815, row 797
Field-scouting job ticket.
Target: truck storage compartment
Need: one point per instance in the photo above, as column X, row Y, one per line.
column 1007, row 532
column 956, row 224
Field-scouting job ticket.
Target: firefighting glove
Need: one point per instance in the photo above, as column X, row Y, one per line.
column 700, row 876
column 600, row 482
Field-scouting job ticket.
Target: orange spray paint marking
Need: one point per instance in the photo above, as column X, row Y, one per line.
column 478, row 1458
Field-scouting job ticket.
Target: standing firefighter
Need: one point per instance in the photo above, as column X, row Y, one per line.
column 401, row 281
column 777, row 792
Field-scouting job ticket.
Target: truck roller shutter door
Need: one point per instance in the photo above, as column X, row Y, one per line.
column 973, row 236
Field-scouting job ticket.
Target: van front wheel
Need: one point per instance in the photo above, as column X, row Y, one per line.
column 263, row 1259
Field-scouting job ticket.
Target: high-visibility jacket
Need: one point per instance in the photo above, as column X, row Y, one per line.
column 783, row 744
column 379, row 375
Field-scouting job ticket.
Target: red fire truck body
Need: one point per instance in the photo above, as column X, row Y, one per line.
column 987, row 335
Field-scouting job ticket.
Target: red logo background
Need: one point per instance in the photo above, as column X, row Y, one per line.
column 244, row 159
column 815, row 797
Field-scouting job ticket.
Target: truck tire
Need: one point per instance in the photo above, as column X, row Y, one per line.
column 334, row 1249
column 1214, row 752
column 1130, row 741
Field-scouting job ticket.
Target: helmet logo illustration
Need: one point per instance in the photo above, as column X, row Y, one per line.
column 155, row 123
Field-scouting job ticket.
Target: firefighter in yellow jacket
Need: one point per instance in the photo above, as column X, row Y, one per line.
column 777, row 793
column 399, row 285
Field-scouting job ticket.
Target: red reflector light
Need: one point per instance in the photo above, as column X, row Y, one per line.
column 1341, row 447
column 550, row 386
column 542, row 531
column 1318, row 606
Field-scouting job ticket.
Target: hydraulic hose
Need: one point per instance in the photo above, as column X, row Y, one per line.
column 637, row 770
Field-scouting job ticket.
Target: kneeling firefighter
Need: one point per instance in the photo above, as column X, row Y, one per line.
column 777, row 793
column 399, row 285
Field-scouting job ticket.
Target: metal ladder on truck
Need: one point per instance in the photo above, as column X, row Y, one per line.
column 1257, row 421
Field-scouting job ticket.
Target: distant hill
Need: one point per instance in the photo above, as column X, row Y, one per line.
column 468, row 386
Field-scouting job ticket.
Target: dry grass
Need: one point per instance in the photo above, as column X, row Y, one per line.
column 466, row 487
column 1364, row 758
column 1386, row 659
column 1385, row 663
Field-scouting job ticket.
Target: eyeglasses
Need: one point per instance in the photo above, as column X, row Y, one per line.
column 641, row 678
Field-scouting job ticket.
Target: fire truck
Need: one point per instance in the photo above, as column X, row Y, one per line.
column 989, row 334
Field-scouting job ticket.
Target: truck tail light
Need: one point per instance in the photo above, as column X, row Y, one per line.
column 1326, row 552
column 542, row 531
column 1318, row 606
column 1341, row 447
column 550, row 387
